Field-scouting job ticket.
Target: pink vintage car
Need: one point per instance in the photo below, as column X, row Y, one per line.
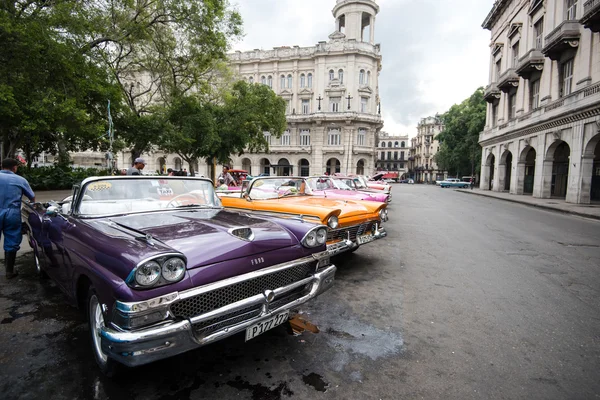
column 327, row 186
column 361, row 183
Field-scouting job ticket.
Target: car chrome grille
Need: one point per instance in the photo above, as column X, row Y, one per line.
column 355, row 231
column 205, row 302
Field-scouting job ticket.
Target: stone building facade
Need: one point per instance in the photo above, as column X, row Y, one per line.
column 393, row 152
column 542, row 130
column 423, row 168
column 332, row 95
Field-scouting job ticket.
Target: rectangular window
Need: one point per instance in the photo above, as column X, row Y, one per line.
column 305, row 106
column 364, row 104
column 361, row 138
column 515, row 54
column 334, row 104
column 571, row 10
column 285, row 138
column 334, row 138
column 566, row 75
column 498, row 69
column 512, row 105
column 305, row 137
column 494, row 115
column 268, row 137
column 402, row 155
column 401, row 165
column 535, row 95
column 538, row 34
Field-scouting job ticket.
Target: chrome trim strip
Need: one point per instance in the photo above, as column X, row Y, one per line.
column 250, row 275
column 275, row 213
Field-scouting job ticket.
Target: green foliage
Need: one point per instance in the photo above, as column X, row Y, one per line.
column 459, row 148
column 199, row 129
column 57, row 177
column 49, row 92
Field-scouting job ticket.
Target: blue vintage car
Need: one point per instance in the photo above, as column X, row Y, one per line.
column 454, row 182
column 160, row 268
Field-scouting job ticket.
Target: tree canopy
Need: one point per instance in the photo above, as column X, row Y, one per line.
column 200, row 129
column 61, row 62
column 459, row 149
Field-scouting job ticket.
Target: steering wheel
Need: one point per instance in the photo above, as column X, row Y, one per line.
column 190, row 197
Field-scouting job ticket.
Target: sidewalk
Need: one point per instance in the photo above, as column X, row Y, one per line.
column 582, row 210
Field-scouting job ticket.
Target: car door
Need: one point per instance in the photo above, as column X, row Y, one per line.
column 55, row 225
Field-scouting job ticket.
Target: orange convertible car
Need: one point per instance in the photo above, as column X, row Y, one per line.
column 351, row 223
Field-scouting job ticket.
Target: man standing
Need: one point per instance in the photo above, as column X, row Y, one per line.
column 138, row 166
column 229, row 181
column 12, row 189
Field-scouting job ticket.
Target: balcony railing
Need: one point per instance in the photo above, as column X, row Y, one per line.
column 564, row 37
column 508, row 80
column 335, row 116
column 532, row 61
column 591, row 15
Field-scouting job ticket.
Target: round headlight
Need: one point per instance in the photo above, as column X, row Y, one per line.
column 311, row 239
column 173, row 269
column 147, row 274
column 383, row 214
column 333, row 222
column 321, row 236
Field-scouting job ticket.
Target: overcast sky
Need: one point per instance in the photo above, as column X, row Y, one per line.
column 435, row 52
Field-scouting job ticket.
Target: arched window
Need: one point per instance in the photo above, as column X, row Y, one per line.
column 270, row 81
column 368, row 78
column 309, row 80
column 251, row 79
column 389, row 144
column 382, row 144
column 361, row 77
column 263, row 80
column 331, row 75
column 395, row 144
column 282, row 82
column 302, row 80
column 341, row 75
column 289, row 81
column 403, row 144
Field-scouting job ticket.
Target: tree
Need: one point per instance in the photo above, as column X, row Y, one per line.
column 50, row 94
column 199, row 129
column 459, row 148
column 157, row 50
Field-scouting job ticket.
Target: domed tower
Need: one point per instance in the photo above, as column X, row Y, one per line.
column 356, row 19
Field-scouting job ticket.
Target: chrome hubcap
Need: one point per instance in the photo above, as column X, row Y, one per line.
column 96, row 324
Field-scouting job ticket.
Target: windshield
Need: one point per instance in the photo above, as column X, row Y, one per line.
column 320, row 183
column 359, row 183
column 344, row 184
column 276, row 188
column 118, row 195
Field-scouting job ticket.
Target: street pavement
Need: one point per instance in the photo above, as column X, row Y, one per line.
column 467, row 298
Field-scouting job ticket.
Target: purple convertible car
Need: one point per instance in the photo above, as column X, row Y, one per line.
column 337, row 189
column 161, row 268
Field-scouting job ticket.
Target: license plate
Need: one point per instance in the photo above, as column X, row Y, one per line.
column 263, row 326
column 365, row 239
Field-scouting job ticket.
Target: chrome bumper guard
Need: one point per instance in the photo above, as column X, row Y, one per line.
column 134, row 348
column 346, row 245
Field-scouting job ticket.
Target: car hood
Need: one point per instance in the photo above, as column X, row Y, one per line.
column 349, row 208
column 203, row 236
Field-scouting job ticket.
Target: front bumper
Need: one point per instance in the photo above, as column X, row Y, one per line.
column 351, row 242
column 134, row 348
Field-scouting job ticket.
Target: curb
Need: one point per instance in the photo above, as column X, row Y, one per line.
column 541, row 206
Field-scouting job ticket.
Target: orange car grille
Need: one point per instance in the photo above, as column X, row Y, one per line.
column 355, row 231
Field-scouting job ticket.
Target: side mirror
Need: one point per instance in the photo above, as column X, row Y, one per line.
column 52, row 211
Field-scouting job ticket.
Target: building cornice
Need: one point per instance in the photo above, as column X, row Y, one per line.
column 343, row 3
column 349, row 46
column 497, row 9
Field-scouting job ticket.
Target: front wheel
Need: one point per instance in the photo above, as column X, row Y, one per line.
column 108, row 366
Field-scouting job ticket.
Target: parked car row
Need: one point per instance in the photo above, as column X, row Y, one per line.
column 163, row 265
